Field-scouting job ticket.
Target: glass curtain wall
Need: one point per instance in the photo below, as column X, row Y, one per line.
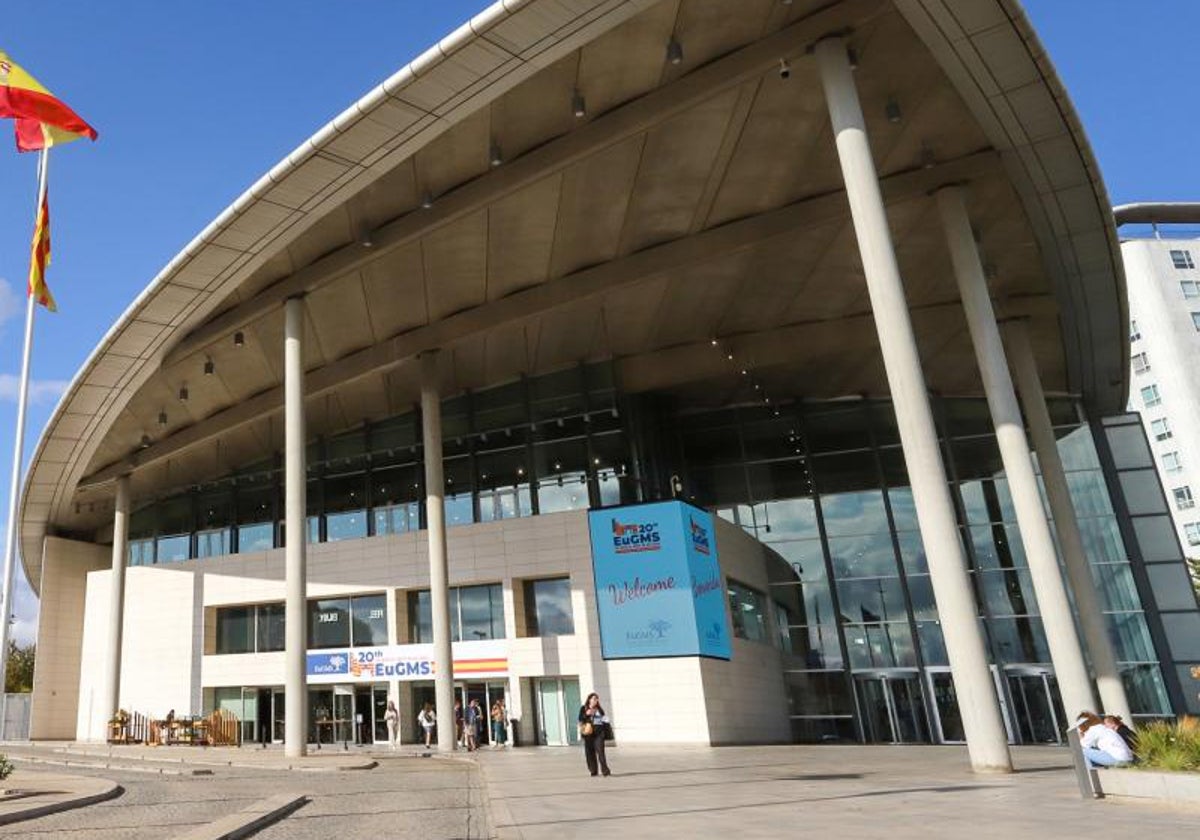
column 541, row 445
column 825, row 488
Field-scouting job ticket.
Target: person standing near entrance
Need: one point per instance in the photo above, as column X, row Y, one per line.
column 392, row 718
column 471, row 722
column 593, row 726
column 458, row 723
column 427, row 720
column 499, row 737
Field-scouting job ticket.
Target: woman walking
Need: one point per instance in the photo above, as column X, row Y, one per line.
column 593, row 723
column 471, row 723
column 392, row 718
column 427, row 720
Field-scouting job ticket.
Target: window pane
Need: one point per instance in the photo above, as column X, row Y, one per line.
column 1130, row 637
column 482, row 611
column 548, row 608
column 1019, row 639
column 1129, row 448
column 368, row 614
column 1155, row 536
column 256, row 537
column 235, row 630
column 789, row 519
column 1008, row 592
column 1114, row 584
column 329, row 623
column 141, row 552
column 173, row 549
column 815, row 693
column 1142, row 492
column 397, row 519
column 880, row 645
column 213, row 542
column 348, row 525
column 420, row 617
column 271, row 624
column 868, row 556
column 1144, row 689
column 814, row 646
column 871, row 600
column 748, row 608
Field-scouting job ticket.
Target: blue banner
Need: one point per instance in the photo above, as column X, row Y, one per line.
column 659, row 590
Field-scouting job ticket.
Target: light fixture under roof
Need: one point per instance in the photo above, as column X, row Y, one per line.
column 162, row 418
column 892, row 110
column 239, row 339
column 495, row 156
column 578, row 105
column 183, row 393
column 209, row 367
column 674, row 51
column 427, row 201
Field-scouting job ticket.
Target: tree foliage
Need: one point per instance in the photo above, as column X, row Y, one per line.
column 20, row 668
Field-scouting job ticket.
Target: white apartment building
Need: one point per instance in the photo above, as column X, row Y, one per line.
column 1164, row 311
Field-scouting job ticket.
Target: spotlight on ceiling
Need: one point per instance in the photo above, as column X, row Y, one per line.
column 209, row 367
column 183, row 393
column 162, row 418
column 785, row 69
column 578, row 105
column 239, row 339
column 892, row 110
column 495, row 157
column 427, row 201
column 674, row 51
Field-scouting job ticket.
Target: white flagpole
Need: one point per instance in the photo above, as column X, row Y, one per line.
column 14, row 493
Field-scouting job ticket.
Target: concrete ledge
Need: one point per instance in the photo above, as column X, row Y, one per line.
column 1178, row 788
column 249, row 820
column 212, row 757
column 50, row 793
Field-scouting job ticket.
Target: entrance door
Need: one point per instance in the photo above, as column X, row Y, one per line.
column 1036, row 707
column 557, row 706
column 948, row 721
column 486, row 694
column 379, row 701
column 278, row 707
column 891, row 708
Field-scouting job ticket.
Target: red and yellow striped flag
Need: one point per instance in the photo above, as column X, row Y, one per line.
column 39, row 257
column 42, row 119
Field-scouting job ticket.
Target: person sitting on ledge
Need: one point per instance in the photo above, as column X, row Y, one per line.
column 1119, row 726
column 1102, row 747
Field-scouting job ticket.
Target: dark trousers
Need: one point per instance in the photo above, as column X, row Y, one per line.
column 593, row 751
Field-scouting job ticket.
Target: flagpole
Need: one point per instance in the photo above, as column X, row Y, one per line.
column 14, row 493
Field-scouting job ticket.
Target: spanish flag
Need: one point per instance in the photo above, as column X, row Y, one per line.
column 42, row 120
column 39, row 257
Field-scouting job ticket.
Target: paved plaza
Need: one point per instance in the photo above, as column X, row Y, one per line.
column 744, row 792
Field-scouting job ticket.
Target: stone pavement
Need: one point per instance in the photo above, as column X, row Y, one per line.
column 403, row 796
column 818, row 791
column 33, row 794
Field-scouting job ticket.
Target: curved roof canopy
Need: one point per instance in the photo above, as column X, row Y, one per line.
column 546, row 186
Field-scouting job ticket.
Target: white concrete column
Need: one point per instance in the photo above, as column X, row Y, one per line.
column 1058, row 493
column 116, row 599
column 1069, row 666
column 295, row 686
column 987, row 741
column 439, row 568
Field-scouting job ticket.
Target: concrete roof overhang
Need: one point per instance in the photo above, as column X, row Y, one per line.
column 692, row 200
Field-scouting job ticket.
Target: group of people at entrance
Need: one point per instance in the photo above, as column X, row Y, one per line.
column 468, row 724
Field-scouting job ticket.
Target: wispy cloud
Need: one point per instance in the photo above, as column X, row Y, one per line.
column 41, row 391
column 11, row 302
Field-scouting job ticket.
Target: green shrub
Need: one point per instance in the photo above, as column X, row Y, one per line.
column 1170, row 746
column 6, row 767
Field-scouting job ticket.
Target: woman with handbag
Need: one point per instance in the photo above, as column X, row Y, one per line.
column 593, row 722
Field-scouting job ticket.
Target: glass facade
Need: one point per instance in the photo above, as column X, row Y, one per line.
column 822, row 486
column 852, row 582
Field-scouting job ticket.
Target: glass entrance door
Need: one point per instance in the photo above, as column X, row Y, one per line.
column 1037, row 711
column 379, row 701
column 891, row 708
column 557, row 705
column 277, row 713
column 948, row 724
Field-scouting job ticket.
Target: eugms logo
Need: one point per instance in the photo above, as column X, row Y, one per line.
column 635, row 537
column 327, row 663
column 699, row 537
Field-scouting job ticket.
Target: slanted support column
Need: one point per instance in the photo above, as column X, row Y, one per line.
column 116, row 598
column 987, row 741
column 295, row 514
column 439, row 569
column 1087, row 600
column 1070, row 668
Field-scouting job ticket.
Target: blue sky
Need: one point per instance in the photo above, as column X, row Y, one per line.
column 194, row 101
